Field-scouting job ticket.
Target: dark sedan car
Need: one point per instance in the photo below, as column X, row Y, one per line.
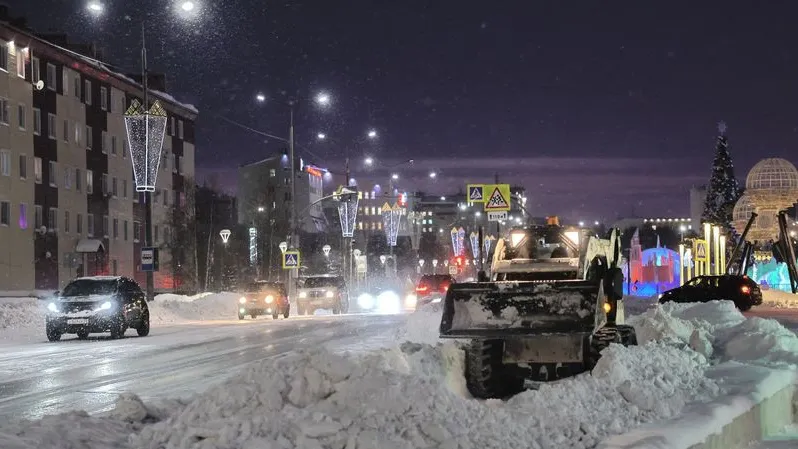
column 742, row 290
column 98, row 304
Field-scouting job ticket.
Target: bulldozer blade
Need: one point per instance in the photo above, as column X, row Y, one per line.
column 517, row 309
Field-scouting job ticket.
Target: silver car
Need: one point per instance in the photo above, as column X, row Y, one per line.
column 322, row 292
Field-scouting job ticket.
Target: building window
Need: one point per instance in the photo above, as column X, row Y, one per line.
column 165, row 197
column 78, row 180
column 5, row 163
column 171, row 126
column 76, row 86
column 4, row 57
column 51, row 84
column 35, row 71
column 113, row 145
column 89, row 181
column 103, row 98
column 23, row 166
column 124, row 230
column 21, row 63
column 23, row 216
column 52, row 219
column 89, row 138
column 4, row 111
column 37, row 121
column 105, row 184
column 37, row 170
column 136, row 231
column 66, row 221
column 51, row 132
column 38, row 217
column 104, row 143
column 113, row 187
column 124, row 188
column 180, row 129
column 105, row 226
column 116, row 228
column 67, row 178
column 78, row 127
column 51, row 173
column 65, row 81
column 5, row 213
column 66, row 131
column 79, row 223
column 90, row 225
column 124, row 149
column 22, row 116
column 87, row 93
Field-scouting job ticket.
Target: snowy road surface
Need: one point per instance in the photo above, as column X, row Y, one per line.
column 38, row 379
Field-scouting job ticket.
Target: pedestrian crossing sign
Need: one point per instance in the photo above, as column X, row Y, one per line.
column 499, row 199
column 290, row 260
column 700, row 250
column 476, row 193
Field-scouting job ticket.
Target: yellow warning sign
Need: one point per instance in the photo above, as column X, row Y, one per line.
column 497, row 197
column 700, row 250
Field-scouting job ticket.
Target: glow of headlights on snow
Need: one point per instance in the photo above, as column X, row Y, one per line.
column 388, row 302
column 365, row 301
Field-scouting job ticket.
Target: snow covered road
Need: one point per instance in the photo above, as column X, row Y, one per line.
column 37, row 379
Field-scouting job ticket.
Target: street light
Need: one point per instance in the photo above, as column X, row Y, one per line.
column 323, row 99
column 394, row 176
column 433, row 175
column 368, row 160
column 260, row 97
column 321, row 136
column 95, row 8
column 283, row 247
column 372, row 134
column 187, row 6
column 326, row 250
column 225, row 235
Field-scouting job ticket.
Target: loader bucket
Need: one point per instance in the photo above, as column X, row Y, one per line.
column 506, row 309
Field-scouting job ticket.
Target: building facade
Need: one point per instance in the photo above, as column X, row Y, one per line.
column 68, row 205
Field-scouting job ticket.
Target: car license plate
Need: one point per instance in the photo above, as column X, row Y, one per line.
column 78, row 321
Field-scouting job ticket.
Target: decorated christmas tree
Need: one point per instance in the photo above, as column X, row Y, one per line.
column 723, row 190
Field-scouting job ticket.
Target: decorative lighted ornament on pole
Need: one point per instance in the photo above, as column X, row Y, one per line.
column 445, row 262
column 390, row 221
column 145, row 133
column 253, row 246
column 455, row 251
column 488, row 242
column 356, row 252
column 435, row 263
column 225, row 235
column 474, row 244
column 421, row 263
column 461, row 241
column 326, row 250
column 283, row 247
column 347, row 209
column 383, row 259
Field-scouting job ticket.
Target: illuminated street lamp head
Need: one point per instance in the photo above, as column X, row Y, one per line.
column 187, row 6
column 261, row 209
column 95, row 8
column 368, row 161
column 394, row 176
column 260, row 97
column 321, row 136
column 433, row 175
column 372, row 134
column 323, row 99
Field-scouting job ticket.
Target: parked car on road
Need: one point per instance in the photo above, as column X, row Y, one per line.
column 742, row 290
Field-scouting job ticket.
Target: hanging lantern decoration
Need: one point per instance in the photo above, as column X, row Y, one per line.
column 383, row 258
column 326, row 250
column 225, row 235
column 253, row 246
column 347, row 209
column 145, row 133
column 454, row 242
column 460, row 241
column 474, row 244
column 391, row 217
column 488, row 242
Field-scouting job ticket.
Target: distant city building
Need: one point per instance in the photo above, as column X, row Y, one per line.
column 698, row 196
column 68, row 205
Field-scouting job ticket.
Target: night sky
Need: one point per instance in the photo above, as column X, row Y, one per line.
column 599, row 108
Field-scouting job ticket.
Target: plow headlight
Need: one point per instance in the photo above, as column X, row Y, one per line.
column 242, row 300
column 607, row 307
column 329, row 294
column 269, row 299
column 516, row 237
column 303, row 294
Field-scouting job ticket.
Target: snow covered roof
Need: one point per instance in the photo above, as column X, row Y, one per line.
column 88, row 246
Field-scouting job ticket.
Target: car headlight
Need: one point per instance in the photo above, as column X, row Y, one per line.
column 365, row 301
column 52, row 307
column 104, row 306
column 303, row 294
column 329, row 294
column 269, row 299
column 411, row 300
column 388, row 302
column 242, row 300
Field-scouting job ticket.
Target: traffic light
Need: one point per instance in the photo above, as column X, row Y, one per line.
column 458, row 261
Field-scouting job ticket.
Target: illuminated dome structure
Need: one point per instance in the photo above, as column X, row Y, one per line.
column 771, row 186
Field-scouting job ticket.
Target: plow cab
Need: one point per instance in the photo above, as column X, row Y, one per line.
column 553, row 303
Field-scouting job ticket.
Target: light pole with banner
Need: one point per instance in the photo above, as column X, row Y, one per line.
column 347, row 198
column 391, row 218
column 225, row 235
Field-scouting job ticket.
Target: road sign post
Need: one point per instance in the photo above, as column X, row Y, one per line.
column 701, row 254
column 149, row 259
column 291, row 260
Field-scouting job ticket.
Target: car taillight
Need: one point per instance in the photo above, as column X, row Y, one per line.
column 422, row 288
column 745, row 289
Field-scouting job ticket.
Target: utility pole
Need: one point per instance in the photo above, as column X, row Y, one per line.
column 292, row 241
column 498, row 224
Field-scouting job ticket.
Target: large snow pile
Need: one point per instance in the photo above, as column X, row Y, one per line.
column 20, row 315
column 168, row 308
column 778, row 298
column 423, row 325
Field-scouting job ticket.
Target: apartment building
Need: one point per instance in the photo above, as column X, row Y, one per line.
column 68, row 205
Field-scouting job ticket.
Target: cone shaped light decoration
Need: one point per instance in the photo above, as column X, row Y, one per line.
column 460, row 241
column 454, row 242
column 390, row 222
column 347, row 210
column 145, row 134
column 488, row 241
column 474, row 244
